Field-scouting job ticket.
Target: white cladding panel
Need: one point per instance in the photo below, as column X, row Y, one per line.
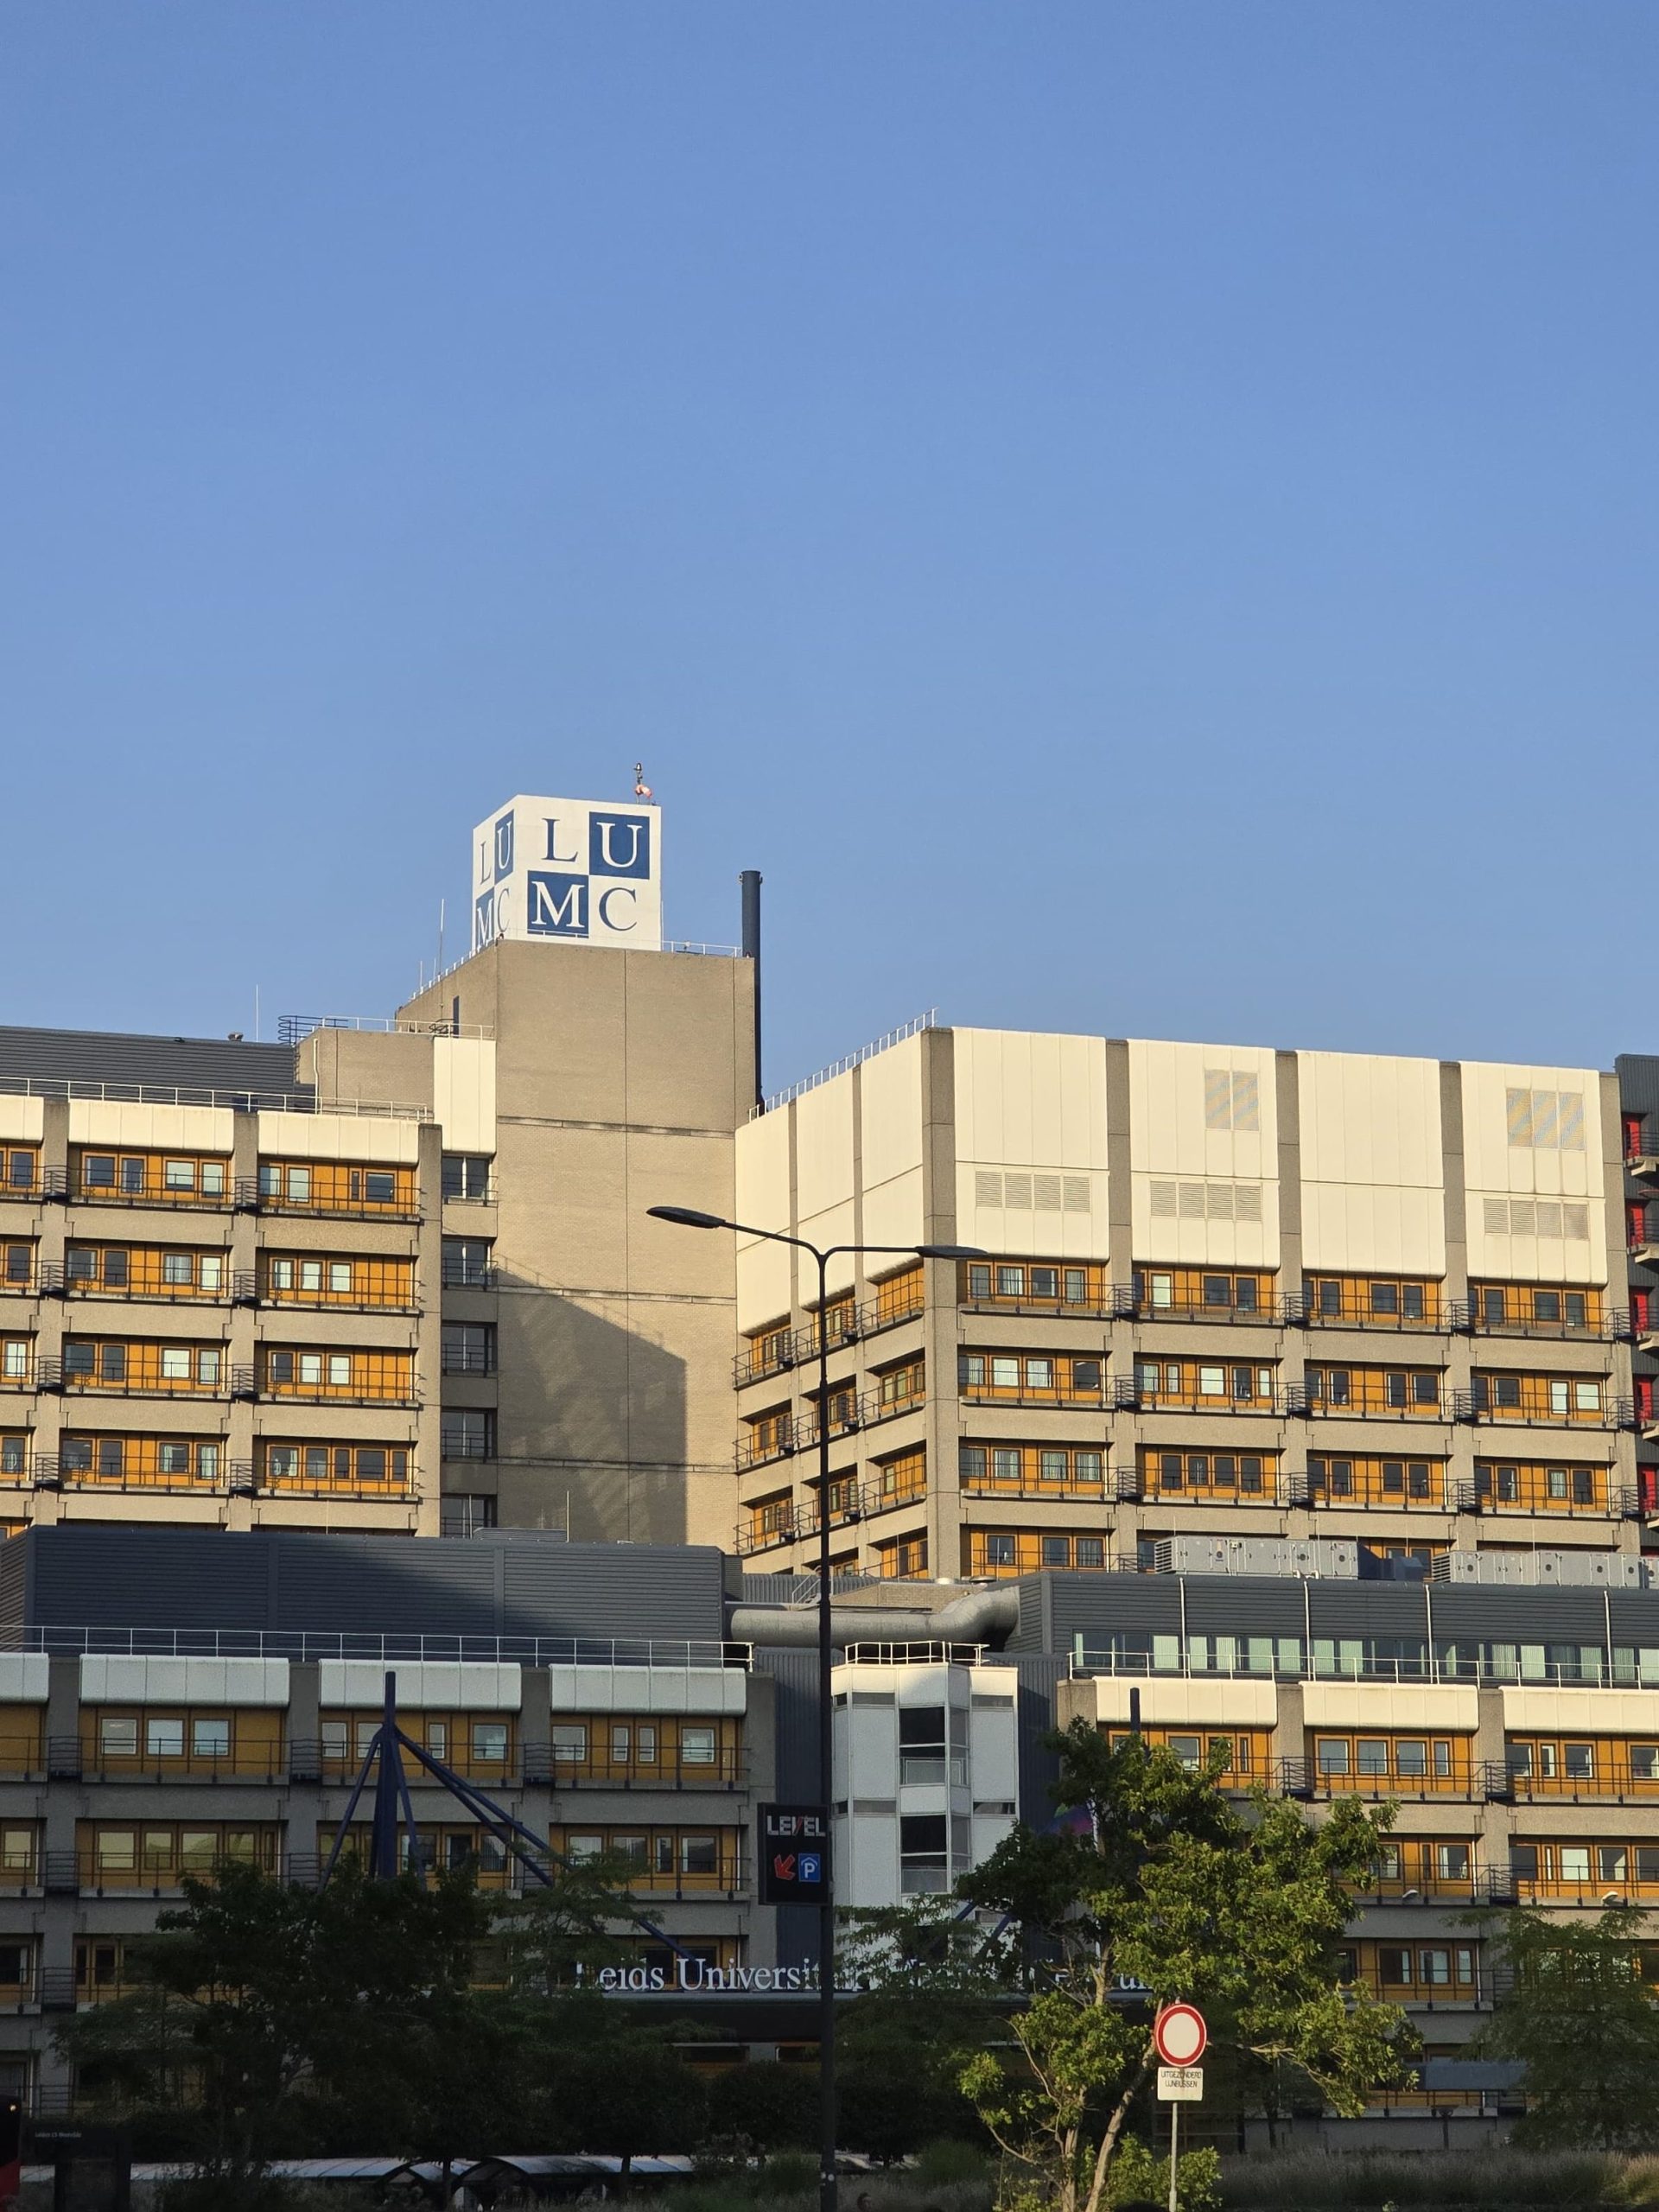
column 1534, row 1134
column 823, row 1179
column 1571, row 1713
column 1181, row 1703
column 424, row 1684
column 1031, row 1143
column 393, row 1141
column 762, row 1196
column 193, row 1129
column 23, row 1677
column 1203, row 1137
column 1389, row 1705
column 463, row 1092
column 890, row 1147
column 183, row 1681
column 23, row 1121
column 648, row 1689
column 1373, row 1196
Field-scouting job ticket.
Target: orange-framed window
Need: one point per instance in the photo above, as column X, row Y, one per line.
column 1583, row 1766
column 658, row 1861
column 1033, row 1470
column 1389, row 1764
column 324, row 1371
column 1028, row 1377
column 22, row 1736
column 355, row 1469
column 770, row 1435
column 102, row 1969
column 1584, row 1871
column 110, row 1175
column 1374, row 1301
column 337, row 1186
column 142, row 1462
column 479, row 1746
column 899, row 1480
column 445, row 1848
column 175, row 1743
column 1556, row 1309
column 138, row 1365
column 1248, row 1752
column 1432, row 1866
column 20, row 1854
column 900, row 1386
column 1573, row 1400
column 1216, row 1385
column 336, row 1279
column 1035, row 1286
column 1248, row 1477
column 663, row 1751
column 160, row 1271
column 1446, row 1970
column 899, row 1297
column 1407, row 1393
column 1204, row 1293
column 157, row 1855
column 1338, row 1478
column 20, row 1170
column 902, row 1559
column 14, row 1453
column 1536, row 1486
column 16, row 1362
column 997, row 1554
column 767, row 1351
column 18, row 1256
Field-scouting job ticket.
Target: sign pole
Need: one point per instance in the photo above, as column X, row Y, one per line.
column 1174, row 2144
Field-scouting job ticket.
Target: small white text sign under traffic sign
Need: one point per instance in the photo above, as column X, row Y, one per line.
column 1180, row 2085
column 1180, row 2034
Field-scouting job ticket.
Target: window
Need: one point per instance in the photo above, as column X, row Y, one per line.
column 20, row 1170
column 469, row 1433
column 998, row 1548
column 697, row 1745
column 699, row 1855
column 1057, row 1551
column 379, row 1188
column 339, row 1370
column 468, row 1347
column 1434, row 1967
column 1332, row 1755
column 163, row 1739
column 175, row 1363
column 1451, row 1862
column 178, row 1174
column 340, row 1278
column 1091, row 1551
column 568, row 1739
column 210, row 1738
column 466, row 1176
column 1579, row 1762
column 19, row 1262
column 490, row 1742
column 118, row 1737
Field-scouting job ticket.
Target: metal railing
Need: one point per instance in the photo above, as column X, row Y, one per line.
column 1114, row 1485
column 727, row 1770
column 459, row 1275
column 848, row 1415
column 301, row 1101
column 911, row 1028
column 466, row 1359
column 247, row 1479
column 1116, row 1302
column 1128, row 1394
column 1623, row 1501
column 309, row 1644
column 295, row 1028
column 784, row 1350
column 1273, row 1665
column 77, row 1758
column 249, row 1199
column 1474, row 1407
column 849, row 1504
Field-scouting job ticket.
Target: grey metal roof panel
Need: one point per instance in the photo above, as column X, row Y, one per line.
column 94, row 1056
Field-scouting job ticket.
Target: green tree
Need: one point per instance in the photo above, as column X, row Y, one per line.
column 1172, row 1890
column 764, row 2107
column 1577, row 2011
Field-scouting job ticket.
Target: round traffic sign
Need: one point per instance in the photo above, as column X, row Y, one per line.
column 1180, row 2034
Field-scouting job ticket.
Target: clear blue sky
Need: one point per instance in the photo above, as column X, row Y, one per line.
column 1140, row 518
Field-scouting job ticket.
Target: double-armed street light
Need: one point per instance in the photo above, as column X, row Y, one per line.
column 689, row 1217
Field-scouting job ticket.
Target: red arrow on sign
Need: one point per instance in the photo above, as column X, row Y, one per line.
column 1180, row 2034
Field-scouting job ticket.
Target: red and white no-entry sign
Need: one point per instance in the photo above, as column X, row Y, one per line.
column 1180, row 2034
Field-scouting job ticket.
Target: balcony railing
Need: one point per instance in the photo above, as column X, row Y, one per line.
column 791, row 1434
column 249, row 1199
column 247, row 1382
column 76, row 1758
column 1473, row 1407
column 306, row 1644
column 1113, row 1485
column 1622, row 1500
column 784, row 1350
column 248, row 1479
column 727, row 1770
column 1469, row 1783
column 461, row 1275
column 57, row 1281
column 54, row 1472
column 1128, row 1394
column 848, row 1504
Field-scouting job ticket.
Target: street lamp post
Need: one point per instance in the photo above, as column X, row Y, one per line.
column 687, row 1217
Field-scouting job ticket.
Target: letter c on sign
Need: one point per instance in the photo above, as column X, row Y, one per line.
column 603, row 902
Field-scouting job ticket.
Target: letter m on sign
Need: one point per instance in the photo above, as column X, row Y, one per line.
column 557, row 906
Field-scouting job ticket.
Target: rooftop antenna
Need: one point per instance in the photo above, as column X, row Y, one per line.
column 641, row 788
column 438, row 970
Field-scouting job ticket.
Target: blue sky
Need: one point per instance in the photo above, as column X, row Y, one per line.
column 1138, row 518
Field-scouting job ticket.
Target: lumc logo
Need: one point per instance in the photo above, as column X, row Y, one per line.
column 573, row 869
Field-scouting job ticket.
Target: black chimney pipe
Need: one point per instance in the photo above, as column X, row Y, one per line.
column 750, row 880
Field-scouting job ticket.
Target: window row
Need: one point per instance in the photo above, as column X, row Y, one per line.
column 1030, row 1375
column 1198, row 1382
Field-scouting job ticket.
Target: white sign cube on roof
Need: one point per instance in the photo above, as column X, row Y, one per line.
column 570, row 871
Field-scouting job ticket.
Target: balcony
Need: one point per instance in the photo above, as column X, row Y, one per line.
column 781, row 1350
column 247, row 1382
column 143, row 1285
column 248, row 1479
column 1130, row 1393
column 727, row 1770
column 788, row 1434
column 1475, row 1408
column 36, row 1372
column 250, row 1197
column 1582, row 1495
column 1611, row 1326
column 1113, row 1486
column 796, row 1521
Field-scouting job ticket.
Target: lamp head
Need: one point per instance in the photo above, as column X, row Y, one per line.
column 687, row 1218
column 952, row 1252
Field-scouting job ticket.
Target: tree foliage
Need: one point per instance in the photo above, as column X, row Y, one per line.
column 1579, row 2014
column 1164, row 1889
